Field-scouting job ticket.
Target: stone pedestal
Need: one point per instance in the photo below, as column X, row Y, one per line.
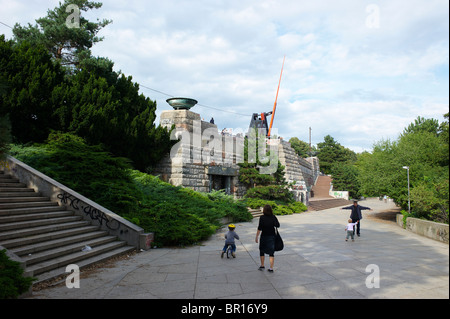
column 203, row 159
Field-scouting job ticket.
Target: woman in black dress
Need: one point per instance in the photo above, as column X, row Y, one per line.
column 266, row 228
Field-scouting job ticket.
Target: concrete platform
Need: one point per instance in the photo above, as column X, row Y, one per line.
column 317, row 263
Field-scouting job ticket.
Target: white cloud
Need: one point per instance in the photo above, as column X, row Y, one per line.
column 341, row 77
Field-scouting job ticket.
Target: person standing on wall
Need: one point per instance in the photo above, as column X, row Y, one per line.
column 356, row 215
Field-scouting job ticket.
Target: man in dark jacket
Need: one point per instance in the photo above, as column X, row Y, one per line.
column 356, row 215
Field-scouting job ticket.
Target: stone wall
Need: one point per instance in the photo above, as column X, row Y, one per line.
column 436, row 231
column 201, row 148
column 299, row 170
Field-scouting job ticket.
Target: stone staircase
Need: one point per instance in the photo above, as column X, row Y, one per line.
column 322, row 199
column 255, row 212
column 323, row 204
column 48, row 237
column 321, row 190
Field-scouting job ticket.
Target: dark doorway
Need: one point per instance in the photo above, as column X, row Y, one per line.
column 220, row 182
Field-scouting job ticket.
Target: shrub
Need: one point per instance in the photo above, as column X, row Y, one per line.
column 430, row 201
column 178, row 216
column 270, row 192
column 88, row 170
column 181, row 216
column 12, row 281
column 278, row 208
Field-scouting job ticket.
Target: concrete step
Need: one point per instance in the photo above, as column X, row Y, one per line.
column 255, row 212
column 72, row 258
column 29, row 210
column 323, row 204
column 11, row 194
column 27, row 204
column 33, row 248
column 40, row 230
column 24, row 199
column 46, row 236
column 30, row 217
column 60, row 271
column 8, row 179
column 30, row 224
column 11, row 243
column 15, row 189
column 12, row 185
column 57, row 252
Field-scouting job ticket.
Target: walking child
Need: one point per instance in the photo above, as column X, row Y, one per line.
column 349, row 229
column 229, row 240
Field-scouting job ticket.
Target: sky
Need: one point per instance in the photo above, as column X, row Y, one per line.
column 360, row 71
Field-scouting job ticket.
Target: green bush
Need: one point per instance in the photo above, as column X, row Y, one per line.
column 405, row 216
column 270, row 192
column 178, row 216
column 278, row 208
column 86, row 169
column 12, row 281
column 181, row 216
column 430, row 201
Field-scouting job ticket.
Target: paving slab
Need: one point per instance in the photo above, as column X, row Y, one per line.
column 317, row 263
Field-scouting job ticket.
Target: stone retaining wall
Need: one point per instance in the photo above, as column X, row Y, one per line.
column 436, row 231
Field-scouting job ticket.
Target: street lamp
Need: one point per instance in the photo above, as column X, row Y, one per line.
column 409, row 201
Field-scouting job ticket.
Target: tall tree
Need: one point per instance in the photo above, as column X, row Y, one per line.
column 105, row 107
column 66, row 34
column 87, row 98
column 5, row 125
column 346, row 177
column 31, row 77
column 331, row 152
column 423, row 148
column 422, row 124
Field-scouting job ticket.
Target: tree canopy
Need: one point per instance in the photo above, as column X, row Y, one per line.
column 55, row 84
column 423, row 147
column 64, row 32
column 330, row 152
column 302, row 148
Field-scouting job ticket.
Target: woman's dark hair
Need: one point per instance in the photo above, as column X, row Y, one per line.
column 267, row 210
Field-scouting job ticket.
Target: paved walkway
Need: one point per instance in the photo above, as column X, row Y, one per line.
column 316, row 263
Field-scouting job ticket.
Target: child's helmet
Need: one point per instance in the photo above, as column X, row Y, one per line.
column 231, row 226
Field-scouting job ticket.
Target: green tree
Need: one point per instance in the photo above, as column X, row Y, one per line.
column 5, row 136
column 346, row 178
column 422, row 124
column 31, row 77
column 444, row 135
column 64, row 32
column 5, row 125
column 423, row 148
column 331, row 152
column 301, row 147
column 95, row 102
column 379, row 170
column 105, row 107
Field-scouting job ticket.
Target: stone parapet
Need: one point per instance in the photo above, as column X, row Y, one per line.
column 436, row 231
